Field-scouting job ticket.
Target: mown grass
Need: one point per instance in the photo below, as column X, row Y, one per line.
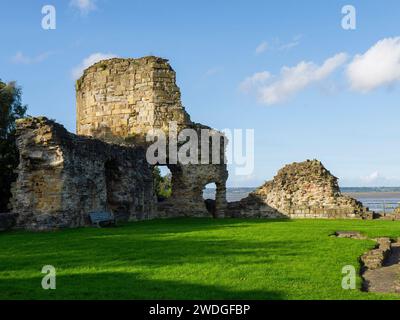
column 190, row 259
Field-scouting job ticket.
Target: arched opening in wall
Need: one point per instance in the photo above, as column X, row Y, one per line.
column 162, row 177
column 114, row 190
column 209, row 196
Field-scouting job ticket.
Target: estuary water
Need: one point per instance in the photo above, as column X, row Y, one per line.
column 377, row 199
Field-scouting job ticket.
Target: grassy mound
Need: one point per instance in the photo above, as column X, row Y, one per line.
column 190, row 259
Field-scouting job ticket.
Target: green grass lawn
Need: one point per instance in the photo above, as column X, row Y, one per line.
column 190, row 259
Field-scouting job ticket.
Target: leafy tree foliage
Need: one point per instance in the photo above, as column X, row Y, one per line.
column 11, row 109
column 162, row 185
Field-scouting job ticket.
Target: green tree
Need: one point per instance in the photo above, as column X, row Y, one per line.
column 162, row 185
column 11, row 109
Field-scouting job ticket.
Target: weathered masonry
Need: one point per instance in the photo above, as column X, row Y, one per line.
column 301, row 190
column 62, row 177
column 124, row 99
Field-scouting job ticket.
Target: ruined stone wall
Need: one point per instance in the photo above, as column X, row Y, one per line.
column 188, row 183
column 7, row 220
column 301, row 190
column 62, row 177
column 127, row 97
column 189, row 180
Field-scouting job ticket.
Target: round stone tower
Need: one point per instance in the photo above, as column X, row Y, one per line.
column 127, row 97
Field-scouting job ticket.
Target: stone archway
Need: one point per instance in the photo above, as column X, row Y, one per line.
column 216, row 204
column 188, row 182
column 162, row 179
column 209, row 196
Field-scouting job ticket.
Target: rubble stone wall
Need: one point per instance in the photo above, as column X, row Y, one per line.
column 128, row 97
column 62, row 177
column 124, row 99
column 301, row 190
column 7, row 221
column 188, row 183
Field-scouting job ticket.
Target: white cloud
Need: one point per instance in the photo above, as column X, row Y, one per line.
column 379, row 66
column 294, row 43
column 374, row 176
column 240, row 181
column 255, row 81
column 84, row 6
column 375, row 179
column 21, row 58
column 87, row 62
column 263, row 46
column 291, row 79
column 278, row 45
column 213, row 71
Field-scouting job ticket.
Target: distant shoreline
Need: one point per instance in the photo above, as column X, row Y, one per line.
column 374, row 194
column 382, row 200
column 347, row 190
column 374, row 198
column 369, row 189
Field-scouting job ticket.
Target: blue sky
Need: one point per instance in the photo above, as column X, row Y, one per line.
column 327, row 104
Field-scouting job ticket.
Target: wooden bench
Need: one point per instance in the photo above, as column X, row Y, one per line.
column 102, row 219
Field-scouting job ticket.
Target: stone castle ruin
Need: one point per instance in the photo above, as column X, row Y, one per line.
column 301, row 190
column 63, row 176
column 126, row 98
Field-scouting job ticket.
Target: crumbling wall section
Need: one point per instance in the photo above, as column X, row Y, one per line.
column 62, row 177
column 122, row 100
column 302, row 190
column 128, row 97
column 188, row 183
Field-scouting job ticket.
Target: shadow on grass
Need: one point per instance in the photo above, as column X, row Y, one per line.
column 178, row 225
column 123, row 286
column 152, row 253
column 157, row 226
column 150, row 243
